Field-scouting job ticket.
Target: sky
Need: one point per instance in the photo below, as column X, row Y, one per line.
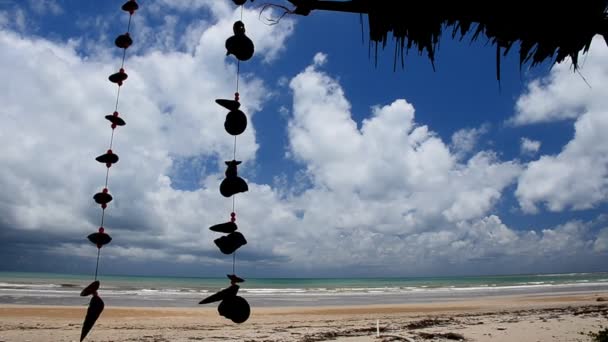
column 354, row 169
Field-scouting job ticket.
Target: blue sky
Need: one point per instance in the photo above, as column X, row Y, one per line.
column 354, row 169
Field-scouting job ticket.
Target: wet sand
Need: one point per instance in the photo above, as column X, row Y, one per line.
column 563, row 317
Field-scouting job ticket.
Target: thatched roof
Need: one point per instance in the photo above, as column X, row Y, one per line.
column 545, row 29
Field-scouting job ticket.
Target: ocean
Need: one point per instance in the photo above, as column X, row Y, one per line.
column 64, row 289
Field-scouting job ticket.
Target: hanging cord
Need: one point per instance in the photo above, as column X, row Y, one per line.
column 97, row 264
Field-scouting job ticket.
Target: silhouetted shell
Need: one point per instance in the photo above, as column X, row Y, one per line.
column 235, row 308
column 236, row 122
column 130, row 6
column 232, row 186
column 100, row 239
column 230, row 243
column 232, row 170
column 123, row 41
column 234, row 278
column 91, row 289
column 102, row 198
column 239, row 45
column 228, row 292
column 118, row 77
column 108, row 158
column 228, row 104
column 239, row 2
column 93, row 312
column 227, row 227
column 116, row 120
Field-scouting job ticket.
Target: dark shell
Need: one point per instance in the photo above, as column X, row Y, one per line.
column 236, row 122
column 235, row 279
column 239, row 2
column 238, row 28
column 118, row 77
column 228, row 104
column 235, row 308
column 232, row 170
column 130, row 6
column 116, row 120
column 102, row 198
column 108, row 158
column 123, row 41
column 230, row 243
column 100, row 239
column 91, row 289
column 240, row 46
column 93, row 312
column 232, row 186
column 228, row 227
column 221, row 295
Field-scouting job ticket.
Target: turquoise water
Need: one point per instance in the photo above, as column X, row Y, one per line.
column 63, row 289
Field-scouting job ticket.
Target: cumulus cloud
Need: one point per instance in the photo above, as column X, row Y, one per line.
column 386, row 196
column 529, row 146
column 576, row 178
column 465, row 140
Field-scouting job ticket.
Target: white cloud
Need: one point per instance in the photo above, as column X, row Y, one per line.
column 577, row 177
column 465, row 140
column 600, row 244
column 529, row 146
column 564, row 94
column 45, row 7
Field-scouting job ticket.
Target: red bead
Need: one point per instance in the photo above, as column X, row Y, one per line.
column 109, row 152
column 105, row 190
column 108, row 165
column 233, row 214
column 103, row 206
column 236, row 96
column 99, row 246
column 101, row 230
column 113, row 126
column 232, row 220
column 115, row 113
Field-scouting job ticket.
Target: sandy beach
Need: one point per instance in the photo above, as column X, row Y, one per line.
column 559, row 317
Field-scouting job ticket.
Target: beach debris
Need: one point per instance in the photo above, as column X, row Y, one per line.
column 601, row 299
column 228, row 227
column 232, row 184
column 101, row 238
column 239, row 45
column 447, row 336
column 230, row 243
column 429, row 322
column 93, row 312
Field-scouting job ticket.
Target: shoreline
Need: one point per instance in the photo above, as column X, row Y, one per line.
column 547, row 317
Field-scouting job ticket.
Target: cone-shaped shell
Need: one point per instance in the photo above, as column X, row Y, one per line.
column 116, row 120
column 236, row 122
column 228, row 104
column 108, row 158
column 118, row 77
column 228, row 227
column 91, row 289
column 230, row 243
column 123, row 41
column 130, row 6
column 235, row 279
column 100, row 239
column 232, row 186
column 102, row 198
column 93, row 312
column 221, row 295
column 235, row 308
